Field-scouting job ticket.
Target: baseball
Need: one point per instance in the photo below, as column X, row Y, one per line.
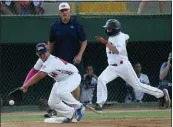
column 11, row 102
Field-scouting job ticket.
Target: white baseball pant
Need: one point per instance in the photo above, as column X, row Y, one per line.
column 126, row 72
column 61, row 91
column 139, row 95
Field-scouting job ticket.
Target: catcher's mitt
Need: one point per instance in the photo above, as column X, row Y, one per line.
column 16, row 95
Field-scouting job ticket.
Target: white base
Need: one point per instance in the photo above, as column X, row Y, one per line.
column 57, row 120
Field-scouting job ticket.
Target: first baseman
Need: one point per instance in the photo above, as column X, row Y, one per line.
column 67, row 79
column 120, row 66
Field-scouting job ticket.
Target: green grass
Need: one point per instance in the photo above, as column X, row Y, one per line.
column 117, row 115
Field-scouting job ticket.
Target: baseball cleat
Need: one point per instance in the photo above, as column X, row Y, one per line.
column 80, row 113
column 74, row 120
column 67, row 120
column 98, row 108
column 50, row 114
column 167, row 100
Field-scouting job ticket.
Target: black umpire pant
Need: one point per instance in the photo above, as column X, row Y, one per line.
column 166, row 85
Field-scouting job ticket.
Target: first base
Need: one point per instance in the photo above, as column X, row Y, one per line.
column 57, row 120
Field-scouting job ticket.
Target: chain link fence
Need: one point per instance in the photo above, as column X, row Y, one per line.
column 101, row 8
column 17, row 58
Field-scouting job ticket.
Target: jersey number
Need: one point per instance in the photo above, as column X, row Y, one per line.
column 110, row 52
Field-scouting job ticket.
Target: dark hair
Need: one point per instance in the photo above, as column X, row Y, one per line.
column 137, row 62
column 86, row 67
column 88, row 64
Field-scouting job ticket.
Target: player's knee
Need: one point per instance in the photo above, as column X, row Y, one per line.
column 52, row 104
column 63, row 94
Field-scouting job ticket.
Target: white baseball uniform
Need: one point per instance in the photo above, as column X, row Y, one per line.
column 143, row 79
column 119, row 66
column 67, row 80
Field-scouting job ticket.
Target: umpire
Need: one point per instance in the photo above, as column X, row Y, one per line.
column 67, row 40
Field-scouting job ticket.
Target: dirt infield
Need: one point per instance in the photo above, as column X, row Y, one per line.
column 153, row 122
column 137, row 109
column 126, row 122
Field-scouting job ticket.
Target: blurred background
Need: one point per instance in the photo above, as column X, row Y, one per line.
column 104, row 8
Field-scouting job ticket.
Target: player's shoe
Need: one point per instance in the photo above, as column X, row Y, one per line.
column 167, row 101
column 80, row 113
column 164, row 102
column 67, row 120
column 98, row 108
column 50, row 114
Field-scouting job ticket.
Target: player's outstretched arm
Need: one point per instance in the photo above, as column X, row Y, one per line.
column 31, row 73
column 108, row 44
column 37, row 77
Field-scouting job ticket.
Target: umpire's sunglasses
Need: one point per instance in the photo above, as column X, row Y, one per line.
column 64, row 10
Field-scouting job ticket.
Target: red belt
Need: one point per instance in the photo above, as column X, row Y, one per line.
column 121, row 62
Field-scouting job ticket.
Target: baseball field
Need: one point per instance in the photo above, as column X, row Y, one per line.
column 131, row 117
column 137, row 36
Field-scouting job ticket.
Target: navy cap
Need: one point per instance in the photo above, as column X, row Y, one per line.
column 170, row 56
column 41, row 48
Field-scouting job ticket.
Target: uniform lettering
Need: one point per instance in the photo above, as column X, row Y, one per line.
column 65, row 72
column 53, row 74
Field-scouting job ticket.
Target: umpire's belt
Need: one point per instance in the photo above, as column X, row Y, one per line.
column 117, row 64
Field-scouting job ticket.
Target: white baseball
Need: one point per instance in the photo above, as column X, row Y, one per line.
column 11, row 102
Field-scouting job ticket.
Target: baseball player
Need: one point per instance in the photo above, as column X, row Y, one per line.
column 67, row 79
column 120, row 66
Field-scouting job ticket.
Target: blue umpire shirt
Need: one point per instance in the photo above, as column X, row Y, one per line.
column 67, row 38
column 168, row 77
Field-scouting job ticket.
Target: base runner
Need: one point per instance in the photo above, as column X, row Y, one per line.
column 120, row 66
